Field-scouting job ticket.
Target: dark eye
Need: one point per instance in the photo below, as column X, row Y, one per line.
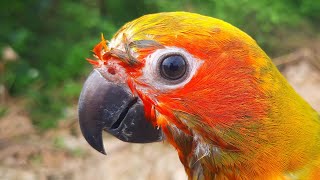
column 173, row 67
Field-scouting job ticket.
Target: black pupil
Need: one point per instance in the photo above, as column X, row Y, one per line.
column 173, row 67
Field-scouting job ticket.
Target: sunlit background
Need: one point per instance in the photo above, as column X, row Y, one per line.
column 43, row 46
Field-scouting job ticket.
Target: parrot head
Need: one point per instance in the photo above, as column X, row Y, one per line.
column 200, row 83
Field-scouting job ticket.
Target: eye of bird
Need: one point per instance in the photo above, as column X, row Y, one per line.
column 169, row 68
column 173, row 67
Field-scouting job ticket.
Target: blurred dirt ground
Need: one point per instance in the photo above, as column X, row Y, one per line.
column 63, row 154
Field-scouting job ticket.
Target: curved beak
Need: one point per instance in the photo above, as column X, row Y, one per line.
column 109, row 106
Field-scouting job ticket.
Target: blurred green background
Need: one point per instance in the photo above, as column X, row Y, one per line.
column 52, row 38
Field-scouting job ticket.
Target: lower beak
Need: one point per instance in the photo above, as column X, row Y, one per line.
column 105, row 105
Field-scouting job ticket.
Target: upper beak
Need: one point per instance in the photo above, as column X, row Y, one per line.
column 105, row 105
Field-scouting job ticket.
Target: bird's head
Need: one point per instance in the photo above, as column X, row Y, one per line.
column 196, row 75
column 205, row 86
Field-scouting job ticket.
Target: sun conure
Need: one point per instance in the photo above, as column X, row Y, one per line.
column 208, row 89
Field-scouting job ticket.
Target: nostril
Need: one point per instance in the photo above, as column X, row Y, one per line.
column 111, row 70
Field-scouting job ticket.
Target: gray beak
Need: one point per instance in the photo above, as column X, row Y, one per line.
column 105, row 105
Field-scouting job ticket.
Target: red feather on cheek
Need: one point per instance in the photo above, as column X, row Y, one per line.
column 229, row 86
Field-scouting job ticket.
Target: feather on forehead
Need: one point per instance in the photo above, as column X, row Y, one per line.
column 104, row 52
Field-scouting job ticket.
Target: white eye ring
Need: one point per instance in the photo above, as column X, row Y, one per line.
column 151, row 73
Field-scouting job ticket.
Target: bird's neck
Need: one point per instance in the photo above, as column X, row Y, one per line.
column 204, row 160
column 200, row 159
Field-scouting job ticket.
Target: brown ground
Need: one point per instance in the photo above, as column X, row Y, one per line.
column 63, row 153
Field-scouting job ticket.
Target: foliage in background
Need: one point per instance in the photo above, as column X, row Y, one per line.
column 52, row 39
